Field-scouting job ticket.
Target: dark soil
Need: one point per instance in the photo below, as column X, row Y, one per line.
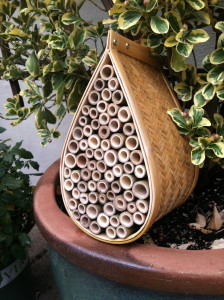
column 173, row 230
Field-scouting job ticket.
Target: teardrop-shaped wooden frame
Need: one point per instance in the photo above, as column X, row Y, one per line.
column 171, row 174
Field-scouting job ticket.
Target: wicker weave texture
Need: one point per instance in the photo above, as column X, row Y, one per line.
column 171, row 152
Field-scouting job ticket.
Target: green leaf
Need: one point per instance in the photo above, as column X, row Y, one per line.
column 128, row 19
column 18, row 32
column 215, row 75
column 175, row 20
column 74, row 96
column 217, row 56
column 2, row 129
column 18, row 251
column 217, row 148
column 178, row 62
column 153, row 40
column 202, row 16
column 11, row 183
column 70, row 18
column 60, row 92
column 196, row 4
column 208, row 91
column 79, row 37
column 170, row 41
column 197, row 156
column 220, row 26
column 24, row 240
column 178, row 118
column 24, row 153
column 34, row 165
column 220, row 92
column 32, row 65
column 50, row 117
column 199, row 99
column 60, row 111
column 184, row 49
column 159, row 25
column 197, row 36
column 207, row 64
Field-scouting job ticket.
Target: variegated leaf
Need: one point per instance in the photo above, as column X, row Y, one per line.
column 129, row 19
column 199, row 99
column 178, row 62
column 216, row 75
column 217, row 56
column 197, row 36
column 184, row 49
column 220, row 26
column 159, row 25
column 197, row 156
column 196, row 4
column 208, row 91
column 178, row 118
column 170, row 41
column 217, row 148
column 175, row 20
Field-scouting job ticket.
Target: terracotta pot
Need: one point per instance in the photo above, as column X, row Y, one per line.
column 140, row 266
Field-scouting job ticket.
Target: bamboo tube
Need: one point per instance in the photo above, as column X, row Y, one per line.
column 106, row 94
column 82, row 208
column 91, row 186
column 85, row 221
column 85, row 110
column 73, row 204
column 129, row 167
column 83, row 145
column 118, row 97
column 127, row 181
column 110, row 158
column 104, row 132
column 73, row 146
column 132, row 142
column 67, row 172
column 101, row 166
column 131, row 207
column 82, row 160
column 111, row 232
column 107, row 72
column 93, row 113
column 95, row 124
column 92, row 165
column 76, row 176
column 109, row 209
column 98, row 154
column 102, row 186
column 116, row 187
column 140, row 171
column 103, row 220
column 141, row 189
column 93, row 210
column 109, row 176
column 113, row 84
column 75, row 193
column 110, row 195
column 86, row 174
column 114, row 221
column 136, row 157
column 93, row 197
column 96, row 175
column 68, row 185
column 129, row 129
column 84, row 199
column 94, row 141
column 76, row 214
column 104, row 119
column 89, row 153
column 117, row 140
column 142, row 206
column 124, row 114
column 95, row 228
column 102, row 199
column 123, row 232
column 123, row 155
column 83, row 121
column 139, row 218
column 105, row 144
column 115, row 125
column 99, row 84
column 102, row 106
column 77, row 133
column 112, row 109
column 126, row 219
column 120, row 203
column 128, row 196
column 70, row 160
column 93, row 97
column 117, row 170
column 82, row 186
column 87, row 130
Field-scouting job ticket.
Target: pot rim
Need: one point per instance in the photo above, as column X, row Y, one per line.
column 143, row 266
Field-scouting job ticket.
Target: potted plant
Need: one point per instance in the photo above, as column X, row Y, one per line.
column 16, row 219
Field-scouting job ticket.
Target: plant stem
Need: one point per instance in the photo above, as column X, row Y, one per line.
column 195, row 60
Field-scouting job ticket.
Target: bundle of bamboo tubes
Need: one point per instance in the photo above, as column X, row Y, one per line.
column 112, row 186
column 105, row 177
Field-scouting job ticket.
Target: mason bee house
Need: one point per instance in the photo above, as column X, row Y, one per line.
column 124, row 164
